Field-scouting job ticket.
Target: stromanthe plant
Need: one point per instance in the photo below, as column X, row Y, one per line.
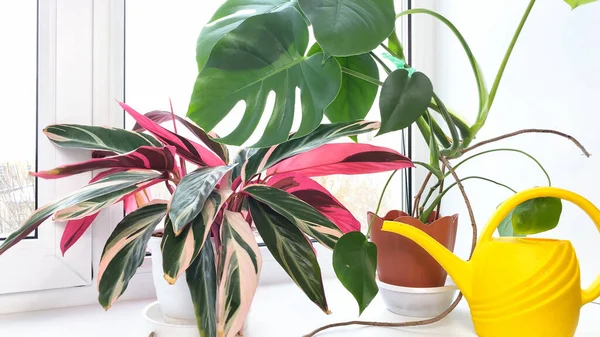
column 208, row 220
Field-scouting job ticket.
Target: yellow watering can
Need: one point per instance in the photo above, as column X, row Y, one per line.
column 517, row 287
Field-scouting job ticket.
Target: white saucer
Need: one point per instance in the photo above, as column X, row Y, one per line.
column 417, row 302
column 155, row 322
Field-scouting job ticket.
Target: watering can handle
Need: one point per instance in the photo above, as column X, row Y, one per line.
column 593, row 291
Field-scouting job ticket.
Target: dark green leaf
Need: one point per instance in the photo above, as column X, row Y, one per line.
column 201, row 278
column 265, row 54
column 536, row 215
column 292, row 251
column 228, row 17
column 98, row 138
column 191, row 193
column 325, row 133
column 350, row 27
column 125, row 250
column 356, row 96
column 404, row 98
column 240, row 160
column 355, row 263
column 298, row 212
column 576, row 3
column 505, row 228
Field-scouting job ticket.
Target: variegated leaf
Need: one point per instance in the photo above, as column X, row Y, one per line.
column 160, row 117
column 107, row 186
column 342, row 158
column 125, row 250
column 180, row 250
column 318, row 197
column 291, row 249
column 98, row 138
column 201, row 278
column 303, row 215
column 191, row 193
column 144, row 157
column 74, row 230
column 186, row 148
column 325, row 133
column 239, row 268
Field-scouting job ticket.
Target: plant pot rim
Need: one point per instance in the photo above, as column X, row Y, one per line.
column 391, row 216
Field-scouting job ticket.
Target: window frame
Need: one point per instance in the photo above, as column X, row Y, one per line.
column 81, row 73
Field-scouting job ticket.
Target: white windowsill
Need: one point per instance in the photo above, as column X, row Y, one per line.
column 278, row 310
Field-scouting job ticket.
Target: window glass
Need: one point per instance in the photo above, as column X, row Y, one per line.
column 18, row 92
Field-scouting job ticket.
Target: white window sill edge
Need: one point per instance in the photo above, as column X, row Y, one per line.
column 277, row 310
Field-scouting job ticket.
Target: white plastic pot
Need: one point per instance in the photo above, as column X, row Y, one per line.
column 175, row 300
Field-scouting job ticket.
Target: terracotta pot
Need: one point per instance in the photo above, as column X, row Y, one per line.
column 402, row 262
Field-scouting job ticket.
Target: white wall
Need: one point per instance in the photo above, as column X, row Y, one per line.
column 551, row 81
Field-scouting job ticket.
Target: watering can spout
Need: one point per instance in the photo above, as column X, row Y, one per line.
column 459, row 270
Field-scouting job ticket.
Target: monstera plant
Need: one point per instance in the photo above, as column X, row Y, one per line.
column 252, row 48
column 208, row 219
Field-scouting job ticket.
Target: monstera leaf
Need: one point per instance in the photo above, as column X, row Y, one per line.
column 228, row 17
column 350, row 27
column 265, row 54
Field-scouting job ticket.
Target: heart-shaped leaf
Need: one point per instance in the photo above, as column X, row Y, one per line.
column 576, row 3
column 265, row 54
column 350, row 27
column 356, row 96
column 505, row 229
column 355, row 263
column 404, row 98
column 536, row 215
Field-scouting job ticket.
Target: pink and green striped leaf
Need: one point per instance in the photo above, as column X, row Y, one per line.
column 318, row 197
column 343, row 158
column 325, row 133
column 304, row 216
column 160, row 117
column 122, row 182
column 291, row 249
column 201, row 278
column 238, row 271
column 191, row 193
column 186, row 148
column 74, row 230
column 180, row 250
column 125, row 250
column 98, row 138
column 144, row 157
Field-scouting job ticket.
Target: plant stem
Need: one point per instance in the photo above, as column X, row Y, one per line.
column 420, row 193
column 484, row 113
column 181, row 160
column 438, row 132
column 379, row 203
column 508, row 150
column 383, row 65
column 361, row 76
column 441, row 183
column 450, row 123
column 520, row 132
column 425, row 215
column 392, row 53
